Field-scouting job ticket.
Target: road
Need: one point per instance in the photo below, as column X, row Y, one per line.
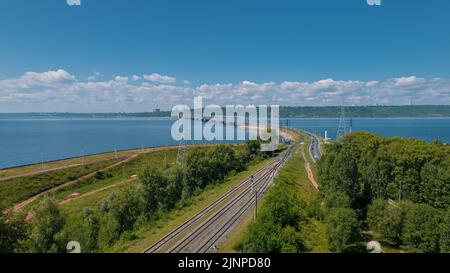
column 204, row 231
column 314, row 148
column 315, row 151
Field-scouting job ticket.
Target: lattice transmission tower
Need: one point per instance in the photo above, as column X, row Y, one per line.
column 182, row 152
column 342, row 130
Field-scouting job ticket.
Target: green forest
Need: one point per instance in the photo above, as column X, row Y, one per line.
column 399, row 189
column 367, row 111
column 392, row 190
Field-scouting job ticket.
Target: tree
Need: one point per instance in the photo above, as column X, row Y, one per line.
column 124, row 211
column 375, row 214
column 421, row 228
column 284, row 209
column 341, row 228
column 46, row 233
column 12, row 231
column 335, row 199
column 154, row 183
column 435, row 186
column 91, row 230
column 127, row 208
column 444, row 241
column 252, row 148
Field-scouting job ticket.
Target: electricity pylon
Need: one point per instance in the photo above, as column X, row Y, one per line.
column 182, row 152
column 342, row 130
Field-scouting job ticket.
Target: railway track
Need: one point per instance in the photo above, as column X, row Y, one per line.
column 212, row 223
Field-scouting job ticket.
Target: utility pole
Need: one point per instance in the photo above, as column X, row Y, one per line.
column 256, row 197
column 256, row 205
column 351, row 126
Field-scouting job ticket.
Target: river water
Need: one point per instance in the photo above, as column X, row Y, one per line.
column 29, row 139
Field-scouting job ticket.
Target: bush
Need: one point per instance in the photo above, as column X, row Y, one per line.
column 90, row 231
column 284, row 209
column 12, row 231
column 341, row 228
column 268, row 237
column 46, row 235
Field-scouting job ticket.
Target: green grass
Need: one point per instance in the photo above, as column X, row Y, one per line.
column 294, row 174
column 116, row 175
column 32, row 168
column 19, row 189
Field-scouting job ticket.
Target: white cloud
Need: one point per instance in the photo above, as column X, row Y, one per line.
column 155, row 77
column 73, row 2
column 61, row 91
column 48, row 77
column 136, row 78
column 121, row 79
column 95, row 76
column 404, row 81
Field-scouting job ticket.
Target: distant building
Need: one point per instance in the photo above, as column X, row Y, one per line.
column 156, row 110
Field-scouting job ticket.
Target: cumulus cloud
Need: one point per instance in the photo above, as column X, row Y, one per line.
column 59, row 90
column 95, row 76
column 121, row 79
column 155, row 77
column 404, row 81
column 73, row 2
column 47, row 77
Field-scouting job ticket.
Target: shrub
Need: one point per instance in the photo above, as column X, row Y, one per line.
column 341, row 228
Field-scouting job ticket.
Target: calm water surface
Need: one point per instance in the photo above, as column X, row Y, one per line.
column 29, row 140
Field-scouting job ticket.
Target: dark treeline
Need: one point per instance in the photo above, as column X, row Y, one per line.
column 367, row 111
column 398, row 188
column 288, row 112
column 159, row 191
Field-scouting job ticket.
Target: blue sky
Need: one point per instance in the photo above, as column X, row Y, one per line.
column 312, row 52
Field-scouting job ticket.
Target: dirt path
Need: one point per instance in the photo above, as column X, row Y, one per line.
column 309, row 171
column 20, row 206
column 30, row 215
column 89, row 193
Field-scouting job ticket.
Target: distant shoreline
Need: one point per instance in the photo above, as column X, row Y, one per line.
column 415, row 111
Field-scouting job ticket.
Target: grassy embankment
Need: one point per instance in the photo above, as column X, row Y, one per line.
column 92, row 190
column 21, row 188
column 46, row 166
column 59, row 184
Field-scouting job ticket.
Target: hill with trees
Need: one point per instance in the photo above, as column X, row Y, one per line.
column 397, row 188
